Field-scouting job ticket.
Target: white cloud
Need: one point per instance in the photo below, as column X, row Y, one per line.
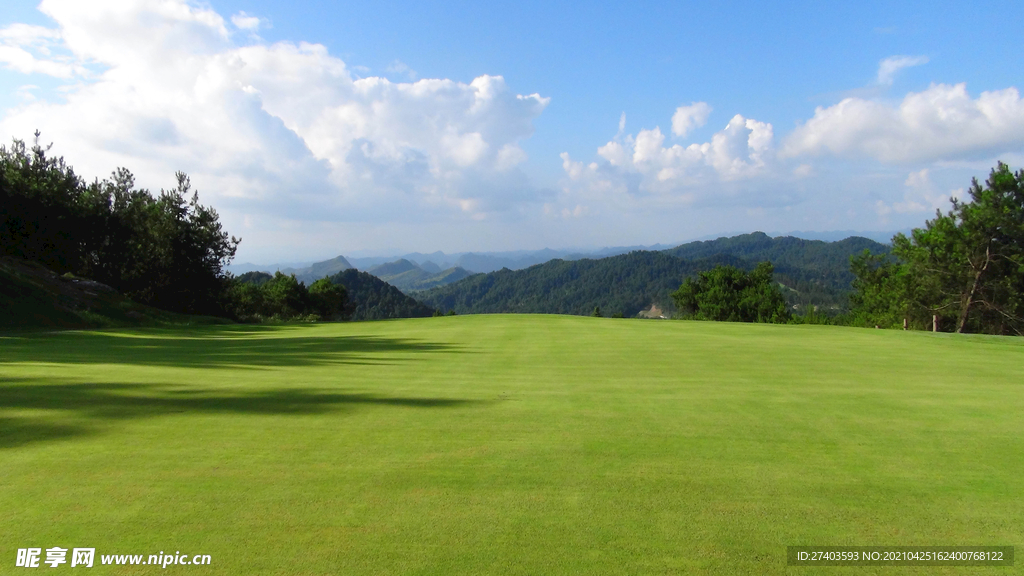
column 28, row 34
column 244, row 21
column 737, row 151
column 940, row 123
column 283, row 129
column 888, row 67
column 689, row 117
column 740, row 150
column 21, row 60
column 642, row 166
column 29, row 50
column 919, row 196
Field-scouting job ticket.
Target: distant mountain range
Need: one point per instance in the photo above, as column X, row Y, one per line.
column 618, row 280
column 439, row 261
column 490, row 261
column 472, row 262
column 409, row 277
column 813, row 272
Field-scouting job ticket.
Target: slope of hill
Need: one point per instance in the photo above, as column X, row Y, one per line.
column 32, row 296
column 409, row 277
column 430, row 267
column 319, row 270
column 623, row 284
column 393, row 268
column 812, row 273
column 442, row 278
column 809, row 260
column 371, row 298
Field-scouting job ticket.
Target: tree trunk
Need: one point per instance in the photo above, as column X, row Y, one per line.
column 969, row 299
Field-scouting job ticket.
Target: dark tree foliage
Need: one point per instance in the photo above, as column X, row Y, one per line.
column 816, row 273
column 729, row 294
column 370, row 298
column 254, row 277
column 965, row 266
column 328, row 299
column 258, row 296
column 284, row 296
column 880, row 293
column 168, row 251
column 44, row 217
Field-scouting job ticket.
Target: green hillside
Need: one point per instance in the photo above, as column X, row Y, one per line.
column 409, row 277
column 395, row 268
column 322, row 269
column 441, row 278
column 508, row 445
column 32, row 296
column 812, row 272
column 805, row 265
column 623, row 284
column 371, row 298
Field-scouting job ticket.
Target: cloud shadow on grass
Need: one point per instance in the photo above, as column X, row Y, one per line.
column 74, row 410
column 234, row 347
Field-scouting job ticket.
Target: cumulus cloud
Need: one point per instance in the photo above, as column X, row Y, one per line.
column 285, row 129
column 634, row 167
column 940, row 123
column 888, row 67
column 689, row 117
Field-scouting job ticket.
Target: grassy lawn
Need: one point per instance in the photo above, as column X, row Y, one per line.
column 508, row 445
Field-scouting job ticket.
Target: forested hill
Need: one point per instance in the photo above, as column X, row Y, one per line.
column 623, row 284
column 371, row 298
column 410, row 277
column 804, row 260
column 814, row 272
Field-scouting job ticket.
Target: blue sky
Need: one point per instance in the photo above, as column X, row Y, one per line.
column 321, row 128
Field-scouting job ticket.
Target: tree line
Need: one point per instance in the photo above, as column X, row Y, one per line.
column 258, row 296
column 165, row 250
column 962, row 272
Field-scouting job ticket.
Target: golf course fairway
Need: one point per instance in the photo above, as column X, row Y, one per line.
column 507, row 444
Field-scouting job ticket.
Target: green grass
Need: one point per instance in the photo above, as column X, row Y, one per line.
column 508, row 445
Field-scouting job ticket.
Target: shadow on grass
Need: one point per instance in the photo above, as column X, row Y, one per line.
column 82, row 409
column 214, row 347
